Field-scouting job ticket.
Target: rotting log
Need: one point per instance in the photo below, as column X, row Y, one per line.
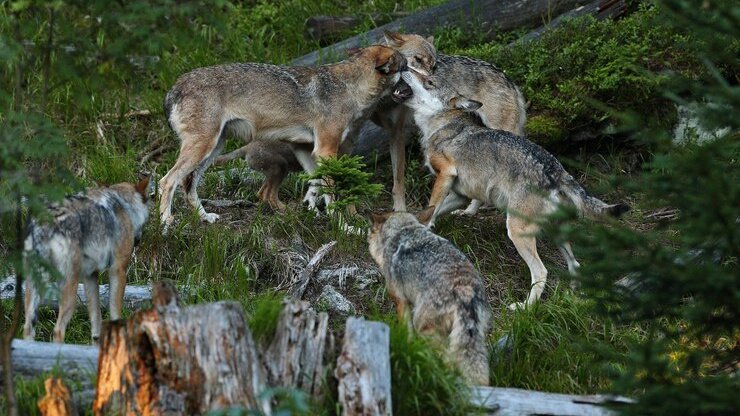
column 178, row 360
column 482, row 15
column 134, row 297
column 325, row 29
column 364, row 369
column 295, row 356
column 503, row 401
column 58, row 399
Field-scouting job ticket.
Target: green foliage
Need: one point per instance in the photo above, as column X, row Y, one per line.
column 351, row 185
column 679, row 279
column 544, row 129
column 264, row 318
column 421, row 381
column 622, row 64
column 548, row 346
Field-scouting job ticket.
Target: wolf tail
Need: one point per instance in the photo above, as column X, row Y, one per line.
column 468, row 341
column 588, row 205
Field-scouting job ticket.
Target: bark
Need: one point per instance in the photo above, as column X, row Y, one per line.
column 484, row 15
column 58, row 399
column 501, row 401
column 311, row 268
column 364, row 369
column 134, row 297
column 178, row 360
column 296, row 356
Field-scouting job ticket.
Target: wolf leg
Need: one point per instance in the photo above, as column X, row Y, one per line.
column 117, row 275
column 92, row 295
column 522, row 234
column 473, row 208
column 570, row 259
column 67, row 299
column 452, row 202
column 308, row 164
column 196, row 147
column 442, row 185
column 32, row 300
column 192, row 180
column 398, row 159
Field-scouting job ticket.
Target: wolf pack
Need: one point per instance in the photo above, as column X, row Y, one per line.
column 470, row 118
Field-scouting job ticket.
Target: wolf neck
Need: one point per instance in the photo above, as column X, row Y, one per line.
column 430, row 123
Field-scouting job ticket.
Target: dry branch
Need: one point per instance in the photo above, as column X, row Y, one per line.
column 178, row 360
column 311, row 268
column 483, row 15
column 295, row 357
column 364, row 369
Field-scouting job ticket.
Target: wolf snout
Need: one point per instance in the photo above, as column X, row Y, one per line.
column 402, row 92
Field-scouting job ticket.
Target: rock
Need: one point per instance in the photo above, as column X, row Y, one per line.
column 337, row 274
column 689, row 128
column 334, row 301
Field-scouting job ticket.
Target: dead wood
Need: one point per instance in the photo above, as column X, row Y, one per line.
column 364, row 369
column 58, row 399
column 178, row 360
column 311, row 268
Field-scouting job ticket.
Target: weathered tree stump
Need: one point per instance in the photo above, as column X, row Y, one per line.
column 58, row 399
column 295, row 357
column 178, row 360
column 364, row 369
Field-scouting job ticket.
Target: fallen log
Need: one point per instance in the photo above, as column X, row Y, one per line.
column 325, row 29
column 364, row 369
column 134, row 297
column 178, row 360
column 483, row 15
column 295, row 356
column 502, row 401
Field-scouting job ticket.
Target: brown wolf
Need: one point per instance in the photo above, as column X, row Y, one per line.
column 90, row 233
column 436, row 289
column 472, row 161
column 318, row 106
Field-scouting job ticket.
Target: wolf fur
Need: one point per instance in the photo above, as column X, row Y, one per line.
column 504, row 106
column 436, row 289
column 472, row 161
column 318, row 106
column 88, row 233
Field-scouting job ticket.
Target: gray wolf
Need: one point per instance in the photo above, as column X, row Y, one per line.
column 89, row 233
column 318, row 106
column 472, row 161
column 436, row 289
column 503, row 107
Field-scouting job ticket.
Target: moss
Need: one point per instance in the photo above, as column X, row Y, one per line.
column 545, row 129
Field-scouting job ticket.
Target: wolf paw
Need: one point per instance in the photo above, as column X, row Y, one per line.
column 517, row 306
column 311, row 199
column 210, row 217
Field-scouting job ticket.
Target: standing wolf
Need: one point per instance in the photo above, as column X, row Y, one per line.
column 319, row 106
column 89, row 233
column 503, row 103
column 435, row 288
column 472, row 161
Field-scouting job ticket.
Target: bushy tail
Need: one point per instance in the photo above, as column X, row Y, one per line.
column 468, row 341
column 588, row 205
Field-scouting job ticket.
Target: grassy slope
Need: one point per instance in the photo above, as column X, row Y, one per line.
column 238, row 259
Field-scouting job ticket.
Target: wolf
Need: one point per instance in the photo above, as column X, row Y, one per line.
column 472, row 161
column 89, row 233
column 318, row 106
column 503, row 107
column 436, row 289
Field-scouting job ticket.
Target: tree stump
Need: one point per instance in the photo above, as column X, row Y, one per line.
column 171, row 360
column 364, row 369
column 295, row 357
column 58, row 399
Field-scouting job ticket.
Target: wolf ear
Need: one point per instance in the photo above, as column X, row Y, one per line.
column 142, row 187
column 384, row 60
column 377, row 219
column 465, row 104
column 425, row 215
column 430, row 39
column 393, row 39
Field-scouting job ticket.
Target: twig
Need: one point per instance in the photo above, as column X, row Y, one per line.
column 311, row 267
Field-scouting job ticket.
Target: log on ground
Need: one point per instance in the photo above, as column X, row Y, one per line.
column 502, row 401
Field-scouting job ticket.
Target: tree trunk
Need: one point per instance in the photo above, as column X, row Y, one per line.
column 364, row 369
column 295, row 357
column 501, row 401
column 178, row 360
column 482, row 15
